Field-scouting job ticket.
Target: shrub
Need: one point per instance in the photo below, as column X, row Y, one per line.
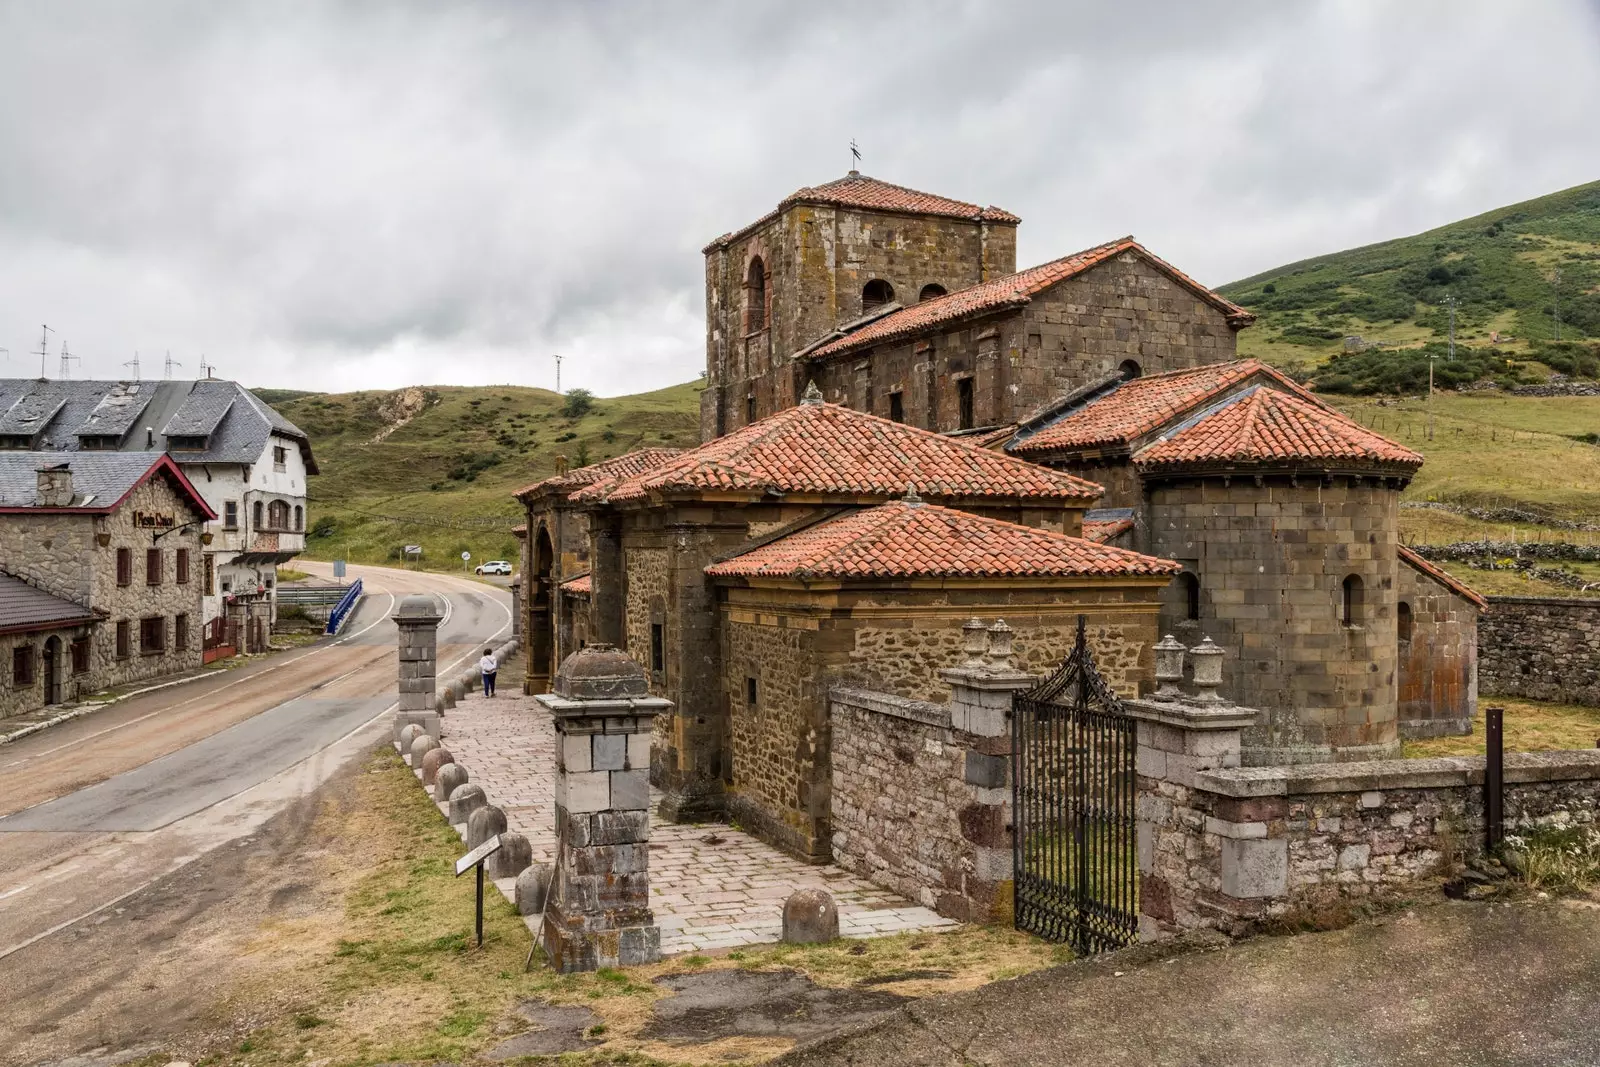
column 324, row 526
column 578, row 403
column 1405, row 370
column 1559, row 858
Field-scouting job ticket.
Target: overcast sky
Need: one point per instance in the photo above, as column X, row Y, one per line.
column 364, row 195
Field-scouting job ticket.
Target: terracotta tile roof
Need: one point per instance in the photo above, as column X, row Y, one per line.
column 990, row 438
column 835, row 452
column 1103, row 531
column 607, row 470
column 1443, row 577
column 1012, row 290
column 1135, row 408
column 1268, row 426
column 909, row 540
column 859, row 191
column 579, row 586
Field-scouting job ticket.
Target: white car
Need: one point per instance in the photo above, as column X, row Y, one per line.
column 494, row 566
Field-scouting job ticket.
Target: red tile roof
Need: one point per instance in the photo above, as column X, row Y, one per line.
column 859, row 191
column 1443, row 577
column 835, row 452
column 607, row 470
column 1265, row 426
column 1135, row 408
column 910, row 540
column 1103, row 531
column 579, row 586
column 1013, row 290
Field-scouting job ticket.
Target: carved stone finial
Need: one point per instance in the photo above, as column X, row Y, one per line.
column 561, row 464
column 812, row 395
column 974, row 642
column 911, row 496
column 1169, row 668
column 1000, row 636
column 1207, row 672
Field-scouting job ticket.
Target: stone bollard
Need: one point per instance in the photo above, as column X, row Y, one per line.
column 600, row 912
column 407, row 736
column 533, row 886
column 431, row 762
column 418, row 622
column 464, row 800
column 421, row 745
column 447, row 700
column 810, row 917
column 513, row 858
column 451, row 777
column 484, row 823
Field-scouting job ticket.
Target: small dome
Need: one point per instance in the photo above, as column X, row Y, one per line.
column 600, row 672
column 417, row 605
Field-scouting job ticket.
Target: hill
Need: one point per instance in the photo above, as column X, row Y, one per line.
column 1499, row 267
column 437, row 466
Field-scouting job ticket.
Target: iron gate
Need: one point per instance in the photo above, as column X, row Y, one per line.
column 1077, row 869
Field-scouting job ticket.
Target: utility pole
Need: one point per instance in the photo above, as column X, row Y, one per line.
column 1430, row 397
column 1450, row 301
column 170, row 364
column 134, row 363
column 66, row 361
column 44, row 348
column 558, row 372
column 1555, row 289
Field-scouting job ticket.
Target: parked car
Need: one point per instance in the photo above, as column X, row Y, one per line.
column 494, row 566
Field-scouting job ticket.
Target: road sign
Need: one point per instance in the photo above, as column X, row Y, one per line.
column 338, row 568
column 465, row 556
column 473, row 859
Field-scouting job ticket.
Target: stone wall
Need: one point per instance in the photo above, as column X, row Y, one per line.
column 17, row 700
column 1438, row 679
column 1541, row 648
column 920, row 807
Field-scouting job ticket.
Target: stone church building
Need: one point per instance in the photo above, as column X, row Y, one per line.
column 901, row 432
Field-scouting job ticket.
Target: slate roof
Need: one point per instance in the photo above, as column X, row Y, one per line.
column 910, row 540
column 24, row 608
column 859, row 191
column 99, row 479
column 1012, row 290
column 1443, row 577
column 239, row 433
column 830, row 451
column 1265, row 426
column 607, row 470
column 1131, row 409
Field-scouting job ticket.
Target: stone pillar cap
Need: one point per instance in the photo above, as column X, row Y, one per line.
column 600, row 672
column 418, row 607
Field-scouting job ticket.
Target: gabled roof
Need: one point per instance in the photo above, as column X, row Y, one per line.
column 201, row 410
column 25, row 608
column 1461, row 589
column 1104, row 531
column 118, row 409
column 100, row 480
column 908, row 539
column 1128, row 410
column 1263, row 426
column 582, row 585
column 606, row 471
column 869, row 194
column 1014, row 290
column 833, row 452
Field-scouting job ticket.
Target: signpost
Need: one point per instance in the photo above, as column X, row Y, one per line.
column 338, row 568
column 466, row 557
column 476, row 858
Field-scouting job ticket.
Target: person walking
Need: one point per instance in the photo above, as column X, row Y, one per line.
column 487, row 666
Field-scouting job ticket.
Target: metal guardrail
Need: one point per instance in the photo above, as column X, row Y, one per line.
column 341, row 611
column 311, row 596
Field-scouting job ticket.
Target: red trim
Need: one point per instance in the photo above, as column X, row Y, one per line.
column 163, row 462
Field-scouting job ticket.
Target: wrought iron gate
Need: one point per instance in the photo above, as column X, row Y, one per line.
column 1077, row 869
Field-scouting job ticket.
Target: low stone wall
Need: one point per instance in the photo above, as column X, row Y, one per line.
column 921, row 807
column 1541, row 648
column 1229, row 847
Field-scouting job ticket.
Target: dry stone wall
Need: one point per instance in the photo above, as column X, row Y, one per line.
column 1541, row 648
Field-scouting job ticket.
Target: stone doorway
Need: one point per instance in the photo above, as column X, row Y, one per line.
column 541, row 619
column 52, row 670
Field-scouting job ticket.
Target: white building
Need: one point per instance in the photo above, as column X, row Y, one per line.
column 248, row 462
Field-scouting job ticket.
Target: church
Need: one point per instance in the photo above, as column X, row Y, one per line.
column 900, row 432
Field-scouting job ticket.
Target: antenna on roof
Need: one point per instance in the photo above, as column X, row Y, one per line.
column 44, row 348
column 134, row 363
column 66, row 361
column 170, row 364
column 855, row 157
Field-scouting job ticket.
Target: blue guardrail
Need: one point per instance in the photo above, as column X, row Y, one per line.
column 346, row 604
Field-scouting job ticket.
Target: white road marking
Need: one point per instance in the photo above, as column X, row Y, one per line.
column 13, row 892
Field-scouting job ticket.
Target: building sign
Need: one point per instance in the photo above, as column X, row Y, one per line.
column 148, row 521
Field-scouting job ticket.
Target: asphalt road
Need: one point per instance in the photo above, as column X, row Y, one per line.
column 93, row 810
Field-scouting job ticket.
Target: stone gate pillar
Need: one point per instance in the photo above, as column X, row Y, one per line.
column 598, row 910
column 418, row 621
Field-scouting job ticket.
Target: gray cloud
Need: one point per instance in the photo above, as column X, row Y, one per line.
column 370, row 195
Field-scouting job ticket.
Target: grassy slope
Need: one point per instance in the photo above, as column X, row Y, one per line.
column 1496, row 265
column 445, row 477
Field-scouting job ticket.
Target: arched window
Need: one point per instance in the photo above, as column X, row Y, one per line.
column 1130, row 370
column 876, row 293
column 277, row 515
column 1353, row 606
column 931, row 290
column 1189, row 583
column 755, row 297
column 1403, row 620
column 257, row 512
column 299, row 517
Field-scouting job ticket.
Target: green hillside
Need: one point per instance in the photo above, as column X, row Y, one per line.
column 436, row 466
column 1498, row 266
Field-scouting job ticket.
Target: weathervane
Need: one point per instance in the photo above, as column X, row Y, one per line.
column 855, row 156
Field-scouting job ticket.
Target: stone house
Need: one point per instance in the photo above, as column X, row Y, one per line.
column 109, row 545
column 910, row 306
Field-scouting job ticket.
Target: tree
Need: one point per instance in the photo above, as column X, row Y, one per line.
column 579, row 402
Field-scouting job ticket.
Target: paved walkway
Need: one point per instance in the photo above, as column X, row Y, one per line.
column 711, row 886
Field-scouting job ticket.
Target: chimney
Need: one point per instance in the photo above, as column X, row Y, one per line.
column 55, row 486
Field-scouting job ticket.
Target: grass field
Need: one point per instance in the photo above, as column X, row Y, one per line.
column 1530, row 726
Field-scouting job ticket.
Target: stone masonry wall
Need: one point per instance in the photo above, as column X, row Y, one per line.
column 907, row 812
column 17, row 700
column 1438, row 680
column 1541, row 648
